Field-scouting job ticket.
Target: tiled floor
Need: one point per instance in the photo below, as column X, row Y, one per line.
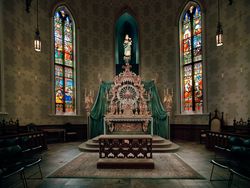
column 59, row 154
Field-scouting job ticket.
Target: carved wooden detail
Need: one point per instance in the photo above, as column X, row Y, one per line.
column 132, row 146
column 127, row 104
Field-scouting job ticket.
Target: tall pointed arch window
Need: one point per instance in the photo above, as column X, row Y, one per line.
column 64, row 62
column 126, row 25
column 191, row 59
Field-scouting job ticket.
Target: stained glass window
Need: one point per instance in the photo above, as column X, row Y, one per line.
column 64, row 62
column 191, row 59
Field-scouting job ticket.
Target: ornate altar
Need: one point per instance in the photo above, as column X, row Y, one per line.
column 128, row 111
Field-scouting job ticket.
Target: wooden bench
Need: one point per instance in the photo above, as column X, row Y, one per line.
column 125, row 151
column 221, row 139
column 36, row 139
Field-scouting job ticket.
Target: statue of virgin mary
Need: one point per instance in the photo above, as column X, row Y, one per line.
column 127, row 47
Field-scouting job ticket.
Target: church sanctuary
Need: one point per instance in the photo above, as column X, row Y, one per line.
column 124, row 93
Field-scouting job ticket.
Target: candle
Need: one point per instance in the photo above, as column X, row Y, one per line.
column 167, row 91
column 85, row 92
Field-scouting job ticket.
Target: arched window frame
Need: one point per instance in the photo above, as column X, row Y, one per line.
column 127, row 15
column 180, row 101
column 75, row 74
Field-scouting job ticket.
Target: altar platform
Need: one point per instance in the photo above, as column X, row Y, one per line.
column 159, row 145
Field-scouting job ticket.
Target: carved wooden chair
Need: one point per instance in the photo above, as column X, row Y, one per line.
column 215, row 124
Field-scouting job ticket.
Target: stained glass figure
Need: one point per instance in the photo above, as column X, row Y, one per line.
column 68, row 54
column 59, row 90
column 68, row 72
column 197, row 54
column 187, row 57
column 64, row 64
column 198, row 86
column 191, row 59
column 68, row 42
column 68, row 95
column 188, row 88
column 58, row 70
column 58, row 38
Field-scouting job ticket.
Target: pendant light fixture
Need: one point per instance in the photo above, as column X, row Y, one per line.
column 37, row 41
column 219, row 31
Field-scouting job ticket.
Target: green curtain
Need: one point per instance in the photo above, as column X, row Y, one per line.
column 99, row 109
column 159, row 115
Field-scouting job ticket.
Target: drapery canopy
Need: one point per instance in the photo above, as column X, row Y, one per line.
column 160, row 118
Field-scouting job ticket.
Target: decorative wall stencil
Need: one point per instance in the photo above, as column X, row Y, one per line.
column 158, row 52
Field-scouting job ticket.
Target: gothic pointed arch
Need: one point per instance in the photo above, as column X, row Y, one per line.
column 191, row 65
column 126, row 24
column 64, row 61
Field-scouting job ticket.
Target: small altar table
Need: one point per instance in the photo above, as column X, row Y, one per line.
column 128, row 124
column 125, row 151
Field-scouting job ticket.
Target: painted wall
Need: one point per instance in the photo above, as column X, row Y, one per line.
column 27, row 74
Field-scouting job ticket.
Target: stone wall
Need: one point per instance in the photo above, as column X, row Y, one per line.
column 27, row 74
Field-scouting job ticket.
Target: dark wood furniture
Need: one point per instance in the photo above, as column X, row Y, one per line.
column 215, row 125
column 242, row 127
column 36, row 138
column 188, row 132
column 57, row 133
column 125, row 151
column 70, row 132
column 8, row 127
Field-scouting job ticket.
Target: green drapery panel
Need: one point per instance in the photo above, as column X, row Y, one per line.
column 159, row 114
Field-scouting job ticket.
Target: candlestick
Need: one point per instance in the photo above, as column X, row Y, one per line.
column 222, row 75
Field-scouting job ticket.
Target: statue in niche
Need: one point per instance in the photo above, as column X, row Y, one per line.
column 127, row 48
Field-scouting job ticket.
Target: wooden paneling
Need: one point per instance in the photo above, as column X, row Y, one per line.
column 80, row 129
column 186, row 131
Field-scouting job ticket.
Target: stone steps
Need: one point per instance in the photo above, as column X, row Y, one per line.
column 159, row 145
